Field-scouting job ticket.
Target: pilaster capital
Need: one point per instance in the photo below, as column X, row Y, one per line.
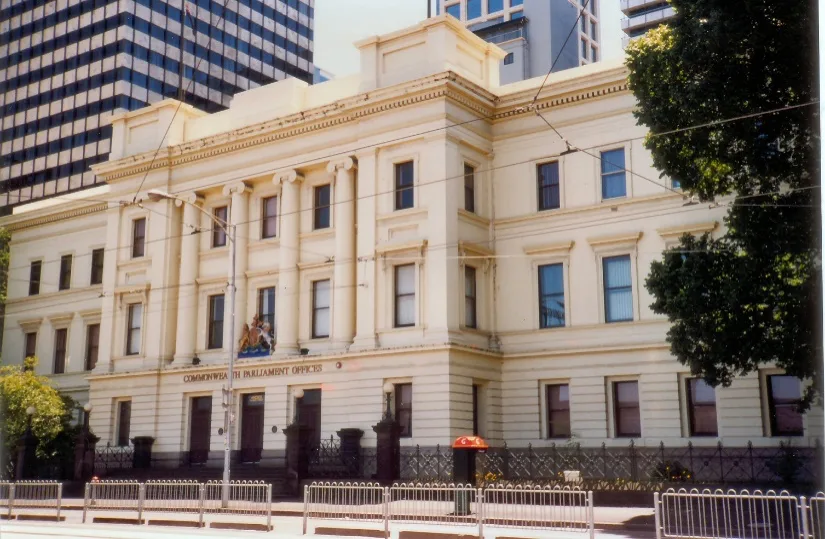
column 188, row 198
column 287, row 176
column 346, row 163
column 235, row 188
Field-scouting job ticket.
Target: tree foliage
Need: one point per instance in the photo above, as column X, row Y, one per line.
column 5, row 238
column 750, row 297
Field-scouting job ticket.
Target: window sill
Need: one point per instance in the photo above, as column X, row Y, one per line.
column 319, row 233
column 398, row 214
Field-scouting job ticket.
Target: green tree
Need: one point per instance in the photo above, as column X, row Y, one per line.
column 5, row 238
column 750, row 297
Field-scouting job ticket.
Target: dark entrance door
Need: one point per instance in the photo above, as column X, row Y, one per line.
column 200, row 425
column 309, row 415
column 252, row 427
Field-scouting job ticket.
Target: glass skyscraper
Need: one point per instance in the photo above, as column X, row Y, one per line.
column 67, row 65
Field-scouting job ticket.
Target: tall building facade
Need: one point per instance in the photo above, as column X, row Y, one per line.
column 642, row 15
column 533, row 33
column 66, row 66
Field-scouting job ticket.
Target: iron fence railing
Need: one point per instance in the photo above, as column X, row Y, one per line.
column 328, row 461
column 111, row 458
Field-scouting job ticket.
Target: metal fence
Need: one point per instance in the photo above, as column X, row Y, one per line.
column 249, row 498
column 179, row 497
column 731, row 514
column 24, row 496
column 124, row 496
column 110, row 458
column 499, row 506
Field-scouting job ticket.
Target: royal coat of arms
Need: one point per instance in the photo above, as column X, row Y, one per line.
column 256, row 339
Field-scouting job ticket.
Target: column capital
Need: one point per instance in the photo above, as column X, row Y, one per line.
column 346, row 163
column 188, row 198
column 287, row 176
column 235, row 188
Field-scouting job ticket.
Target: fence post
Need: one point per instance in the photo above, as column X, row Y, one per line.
column 480, row 512
column 201, row 494
column 657, row 517
column 268, row 506
column 386, row 512
column 591, row 517
column 11, row 499
column 86, row 500
column 306, row 507
column 59, row 499
column 141, row 499
column 803, row 514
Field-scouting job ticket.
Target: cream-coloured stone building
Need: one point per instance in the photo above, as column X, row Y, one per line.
column 416, row 223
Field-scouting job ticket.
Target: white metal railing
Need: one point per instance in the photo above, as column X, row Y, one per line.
column 181, row 497
column 815, row 510
column 250, row 498
column 17, row 497
column 124, row 496
column 498, row 506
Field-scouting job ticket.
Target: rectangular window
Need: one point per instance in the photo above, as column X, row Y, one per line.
column 469, row 188
column 97, row 267
column 476, row 411
column 548, row 186
column 321, row 207
column 551, row 296
column 405, row 295
column 403, row 408
column 266, row 307
column 473, row 9
column 494, row 6
column 124, row 420
column 454, row 10
column 618, row 289
column 135, row 321
column 215, row 322
column 219, row 232
column 138, row 237
column 558, row 410
column 470, row 320
column 269, row 217
column 320, row 309
column 31, row 345
column 628, row 422
column 701, row 401
column 60, row 337
column 34, row 277
column 509, row 58
column 404, row 194
column 65, row 272
column 613, row 174
column 92, row 345
column 784, row 395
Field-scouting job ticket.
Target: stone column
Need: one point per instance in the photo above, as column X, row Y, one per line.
column 186, row 336
column 286, row 298
column 238, row 217
column 343, row 292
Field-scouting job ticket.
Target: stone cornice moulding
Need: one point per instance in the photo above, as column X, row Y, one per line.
column 287, row 176
column 235, row 188
column 693, row 228
column 473, row 218
column 347, row 163
column 560, row 248
column 30, row 325
column 615, row 241
column 465, row 247
column 61, row 320
column 385, row 249
column 91, row 316
column 60, row 215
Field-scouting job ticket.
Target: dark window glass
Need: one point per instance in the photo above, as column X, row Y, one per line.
column 31, row 345
column 215, row 322
column 627, row 418
column 269, row 217
column 92, row 345
column 548, row 186
column 34, row 277
column 470, row 320
column 403, row 408
column 266, row 308
column 551, row 296
column 618, row 289
column 124, row 420
column 476, row 406
column 613, row 174
column 321, row 207
column 60, row 337
column 558, row 411
column 138, row 237
column 784, row 396
column 469, row 188
column 219, row 232
column 494, row 5
column 404, row 197
column 97, row 267
column 65, row 272
column 473, row 9
column 134, row 323
column 320, row 309
column 509, row 58
column 405, row 295
column 701, row 401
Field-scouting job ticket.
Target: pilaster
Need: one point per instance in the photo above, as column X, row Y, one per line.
column 287, row 296
column 238, row 219
column 343, row 294
column 186, row 336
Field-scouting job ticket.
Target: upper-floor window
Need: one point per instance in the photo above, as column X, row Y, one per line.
column 124, row 420
column 509, row 58
column 133, row 326
column 784, row 395
column 60, row 338
column 266, row 308
column 405, row 295
column 473, row 9
column 97, row 267
column 613, row 174
column 701, row 401
column 551, row 296
column 320, row 309
column 404, row 194
column 618, row 289
column 321, row 207
column 92, row 345
column 495, row 5
column 454, row 10
column 403, row 408
column 548, row 186
column 558, row 410
column 31, row 345
column 65, row 272
column 676, row 184
column 627, row 420
column 470, row 301
column 469, row 188
column 138, row 237
column 219, row 232
column 514, row 3
column 269, row 217
column 34, row 277
column 215, row 337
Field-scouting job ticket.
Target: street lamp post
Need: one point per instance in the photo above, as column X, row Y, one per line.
column 156, row 195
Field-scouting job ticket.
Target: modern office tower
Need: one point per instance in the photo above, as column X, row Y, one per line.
column 642, row 15
column 321, row 75
column 534, row 33
column 66, row 66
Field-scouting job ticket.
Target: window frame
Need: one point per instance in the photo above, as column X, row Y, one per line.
column 214, row 338
column 540, row 187
column 88, row 362
column 469, row 190
column 623, row 172
column 65, row 276
column 548, row 422
column 96, row 274
column 119, row 434
column 471, row 299
column 131, row 329
column 604, row 287
column 34, row 284
column 219, row 237
column 260, row 308
column 773, row 430
column 542, row 295
column 406, row 430
column 614, row 384
column 396, row 295
column 61, row 346
column 691, row 409
column 509, row 59
column 399, row 188
column 139, row 247
column 267, row 220
column 321, row 212
column 30, row 335
column 316, row 309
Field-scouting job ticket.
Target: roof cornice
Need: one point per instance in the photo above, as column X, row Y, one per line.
column 51, row 214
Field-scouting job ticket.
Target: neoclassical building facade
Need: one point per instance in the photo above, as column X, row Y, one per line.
column 416, row 226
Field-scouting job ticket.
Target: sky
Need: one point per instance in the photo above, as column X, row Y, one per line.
column 339, row 23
